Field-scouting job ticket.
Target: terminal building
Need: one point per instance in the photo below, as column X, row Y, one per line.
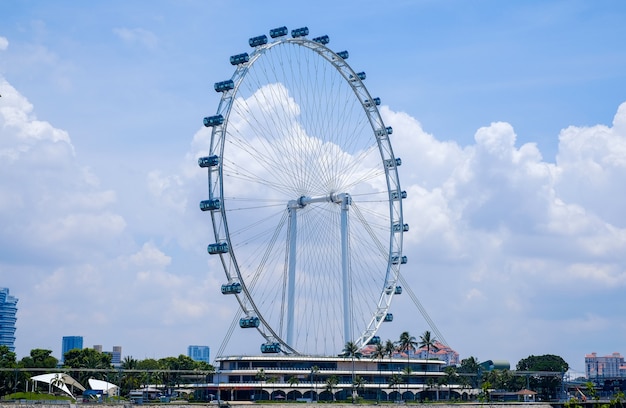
column 306, row 378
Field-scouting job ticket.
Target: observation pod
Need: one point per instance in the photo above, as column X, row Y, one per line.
column 400, row 227
column 239, row 59
column 209, row 161
column 398, row 290
column 270, row 348
column 361, row 76
column 390, row 163
column 389, row 317
column 210, row 205
column 211, row 121
column 249, row 322
column 231, row 288
column 343, row 54
column 224, row 86
column 278, row 32
column 396, row 196
column 395, row 259
column 256, row 41
column 218, row 248
column 374, row 101
column 300, row 32
column 374, row 340
column 386, row 131
column 324, row 39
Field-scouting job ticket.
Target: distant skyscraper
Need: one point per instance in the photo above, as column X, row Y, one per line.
column 70, row 343
column 116, row 355
column 198, row 353
column 8, row 312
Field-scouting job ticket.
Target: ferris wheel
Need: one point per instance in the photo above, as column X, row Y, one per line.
column 304, row 197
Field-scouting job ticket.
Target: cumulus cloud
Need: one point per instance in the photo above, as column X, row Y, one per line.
column 510, row 237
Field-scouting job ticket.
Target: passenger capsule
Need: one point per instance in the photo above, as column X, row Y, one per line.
column 231, row 288
column 343, row 54
column 256, row 41
column 400, row 227
column 278, row 32
column 249, row 322
column 324, row 39
column 209, row 161
column 224, row 86
column 374, row 101
column 390, row 163
column 385, row 131
column 270, row 348
column 395, row 259
column 398, row 290
column 218, row 248
column 211, row 121
column 210, row 205
column 396, row 196
column 374, row 340
column 389, row 317
column 239, row 59
column 300, row 32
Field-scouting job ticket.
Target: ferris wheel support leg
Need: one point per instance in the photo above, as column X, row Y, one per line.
column 291, row 279
column 345, row 269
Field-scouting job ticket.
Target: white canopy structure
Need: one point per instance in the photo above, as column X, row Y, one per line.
column 60, row 381
column 106, row 387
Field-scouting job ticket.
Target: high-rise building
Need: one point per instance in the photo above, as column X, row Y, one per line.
column 604, row 366
column 8, row 312
column 71, row 343
column 116, row 354
column 198, row 353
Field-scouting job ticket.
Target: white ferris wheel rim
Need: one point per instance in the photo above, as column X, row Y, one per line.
column 269, row 121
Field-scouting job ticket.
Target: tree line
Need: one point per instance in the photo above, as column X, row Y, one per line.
column 83, row 364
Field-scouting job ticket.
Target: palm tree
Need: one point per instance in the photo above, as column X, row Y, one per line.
column 428, row 341
column 331, row 383
column 293, row 380
column 314, row 370
column 352, row 350
column 394, row 382
column 390, row 348
column 272, row 380
column 359, row 383
column 406, row 344
column 260, row 375
column 379, row 353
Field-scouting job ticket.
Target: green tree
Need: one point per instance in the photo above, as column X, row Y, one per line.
column 260, row 376
column 314, row 370
column 548, row 376
column 469, row 369
column 331, row 383
column 292, row 381
column 86, row 358
column 378, row 354
column 39, row 358
column 394, row 382
column 406, row 344
column 428, row 341
column 352, row 351
column 8, row 381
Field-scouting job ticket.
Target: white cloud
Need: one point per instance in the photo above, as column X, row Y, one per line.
column 139, row 36
column 4, row 43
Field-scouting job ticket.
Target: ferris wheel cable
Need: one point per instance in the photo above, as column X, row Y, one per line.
column 229, row 333
column 421, row 309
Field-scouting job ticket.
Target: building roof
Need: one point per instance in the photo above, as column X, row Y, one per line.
column 60, row 381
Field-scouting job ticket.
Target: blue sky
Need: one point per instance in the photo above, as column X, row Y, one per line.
column 508, row 115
